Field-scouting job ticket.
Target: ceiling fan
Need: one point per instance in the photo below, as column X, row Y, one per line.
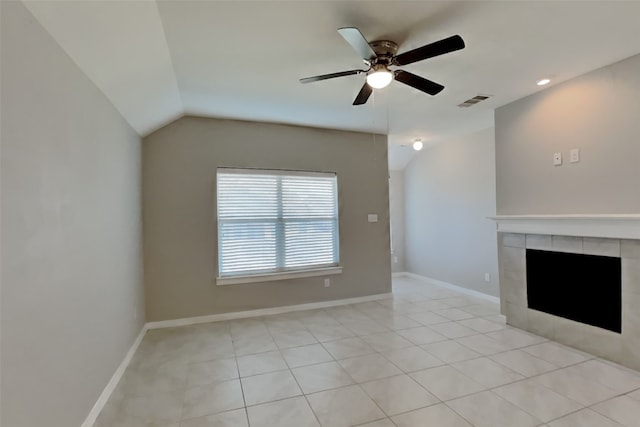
column 381, row 54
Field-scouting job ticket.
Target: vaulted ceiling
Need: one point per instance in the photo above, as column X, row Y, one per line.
column 158, row 60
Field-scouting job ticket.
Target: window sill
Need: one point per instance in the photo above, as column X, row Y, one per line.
column 237, row 280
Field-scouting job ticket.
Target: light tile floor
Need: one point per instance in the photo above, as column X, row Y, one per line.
column 429, row 356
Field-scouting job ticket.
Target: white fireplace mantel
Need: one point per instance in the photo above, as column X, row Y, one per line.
column 618, row 226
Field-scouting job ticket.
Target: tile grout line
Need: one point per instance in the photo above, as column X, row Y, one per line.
column 377, row 317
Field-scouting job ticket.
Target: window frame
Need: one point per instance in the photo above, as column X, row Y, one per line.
column 281, row 273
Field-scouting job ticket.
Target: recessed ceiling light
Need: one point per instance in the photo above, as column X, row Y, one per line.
column 543, row 82
column 417, row 145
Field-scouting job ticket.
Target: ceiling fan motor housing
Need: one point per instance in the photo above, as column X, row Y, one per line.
column 385, row 51
column 380, row 54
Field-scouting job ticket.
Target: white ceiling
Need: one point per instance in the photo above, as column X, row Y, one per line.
column 159, row 60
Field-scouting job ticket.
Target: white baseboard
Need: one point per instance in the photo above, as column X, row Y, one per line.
column 111, row 386
column 263, row 312
column 451, row 286
column 113, row 382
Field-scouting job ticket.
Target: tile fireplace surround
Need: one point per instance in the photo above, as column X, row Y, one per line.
column 607, row 235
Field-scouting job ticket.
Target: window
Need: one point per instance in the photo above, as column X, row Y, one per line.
column 275, row 222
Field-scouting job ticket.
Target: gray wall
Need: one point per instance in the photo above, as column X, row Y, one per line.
column 449, row 193
column 396, row 212
column 71, row 232
column 179, row 205
column 599, row 114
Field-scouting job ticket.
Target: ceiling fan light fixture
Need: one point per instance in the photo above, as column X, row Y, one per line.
column 417, row 145
column 380, row 77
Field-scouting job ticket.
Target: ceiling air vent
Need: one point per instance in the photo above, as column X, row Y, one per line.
column 473, row 101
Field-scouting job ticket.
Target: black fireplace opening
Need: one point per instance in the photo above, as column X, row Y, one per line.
column 584, row 288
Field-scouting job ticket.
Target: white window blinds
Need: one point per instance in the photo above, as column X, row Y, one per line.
column 276, row 221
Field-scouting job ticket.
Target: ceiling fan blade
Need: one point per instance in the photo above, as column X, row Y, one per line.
column 363, row 95
column 354, row 37
column 418, row 82
column 440, row 47
column 331, row 76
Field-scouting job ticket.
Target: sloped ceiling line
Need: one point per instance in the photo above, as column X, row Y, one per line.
column 159, row 59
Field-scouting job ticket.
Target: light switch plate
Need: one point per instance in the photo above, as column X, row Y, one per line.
column 575, row 155
column 372, row 217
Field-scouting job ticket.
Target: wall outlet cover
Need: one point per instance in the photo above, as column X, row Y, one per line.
column 557, row 159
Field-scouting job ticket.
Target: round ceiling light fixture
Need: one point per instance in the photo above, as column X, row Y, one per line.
column 380, row 77
column 543, row 82
column 417, row 144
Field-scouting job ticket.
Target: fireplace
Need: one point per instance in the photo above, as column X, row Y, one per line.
column 580, row 287
column 574, row 279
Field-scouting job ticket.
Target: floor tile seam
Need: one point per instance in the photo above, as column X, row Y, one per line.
column 458, row 413
column 291, row 368
column 279, row 399
column 442, row 402
column 583, row 377
column 368, row 381
column 402, row 375
column 267, row 372
column 532, row 356
column 386, row 417
column 582, row 405
column 486, row 334
column 332, row 339
column 631, row 392
column 396, row 365
column 296, row 346
column 613, row 364
column 531, row 377
column 571, row 349
column 556, row 367
column 567, row 397
column 303, row 393
column 582, row 409
column 246, row 412
column 210, row 415
column 430, row 324
column 304, row 329
column 336, row 358
column 353, row 357
column 209, row 384
column 459, row 372
column 592, row 406
column 422, row 346
column 319, row 363
column 373, row 400
column 490, row 387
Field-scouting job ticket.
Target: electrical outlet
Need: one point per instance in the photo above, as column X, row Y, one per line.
column 487, row 277
column 395, row 259
column 557, row 159
column 327, row 283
